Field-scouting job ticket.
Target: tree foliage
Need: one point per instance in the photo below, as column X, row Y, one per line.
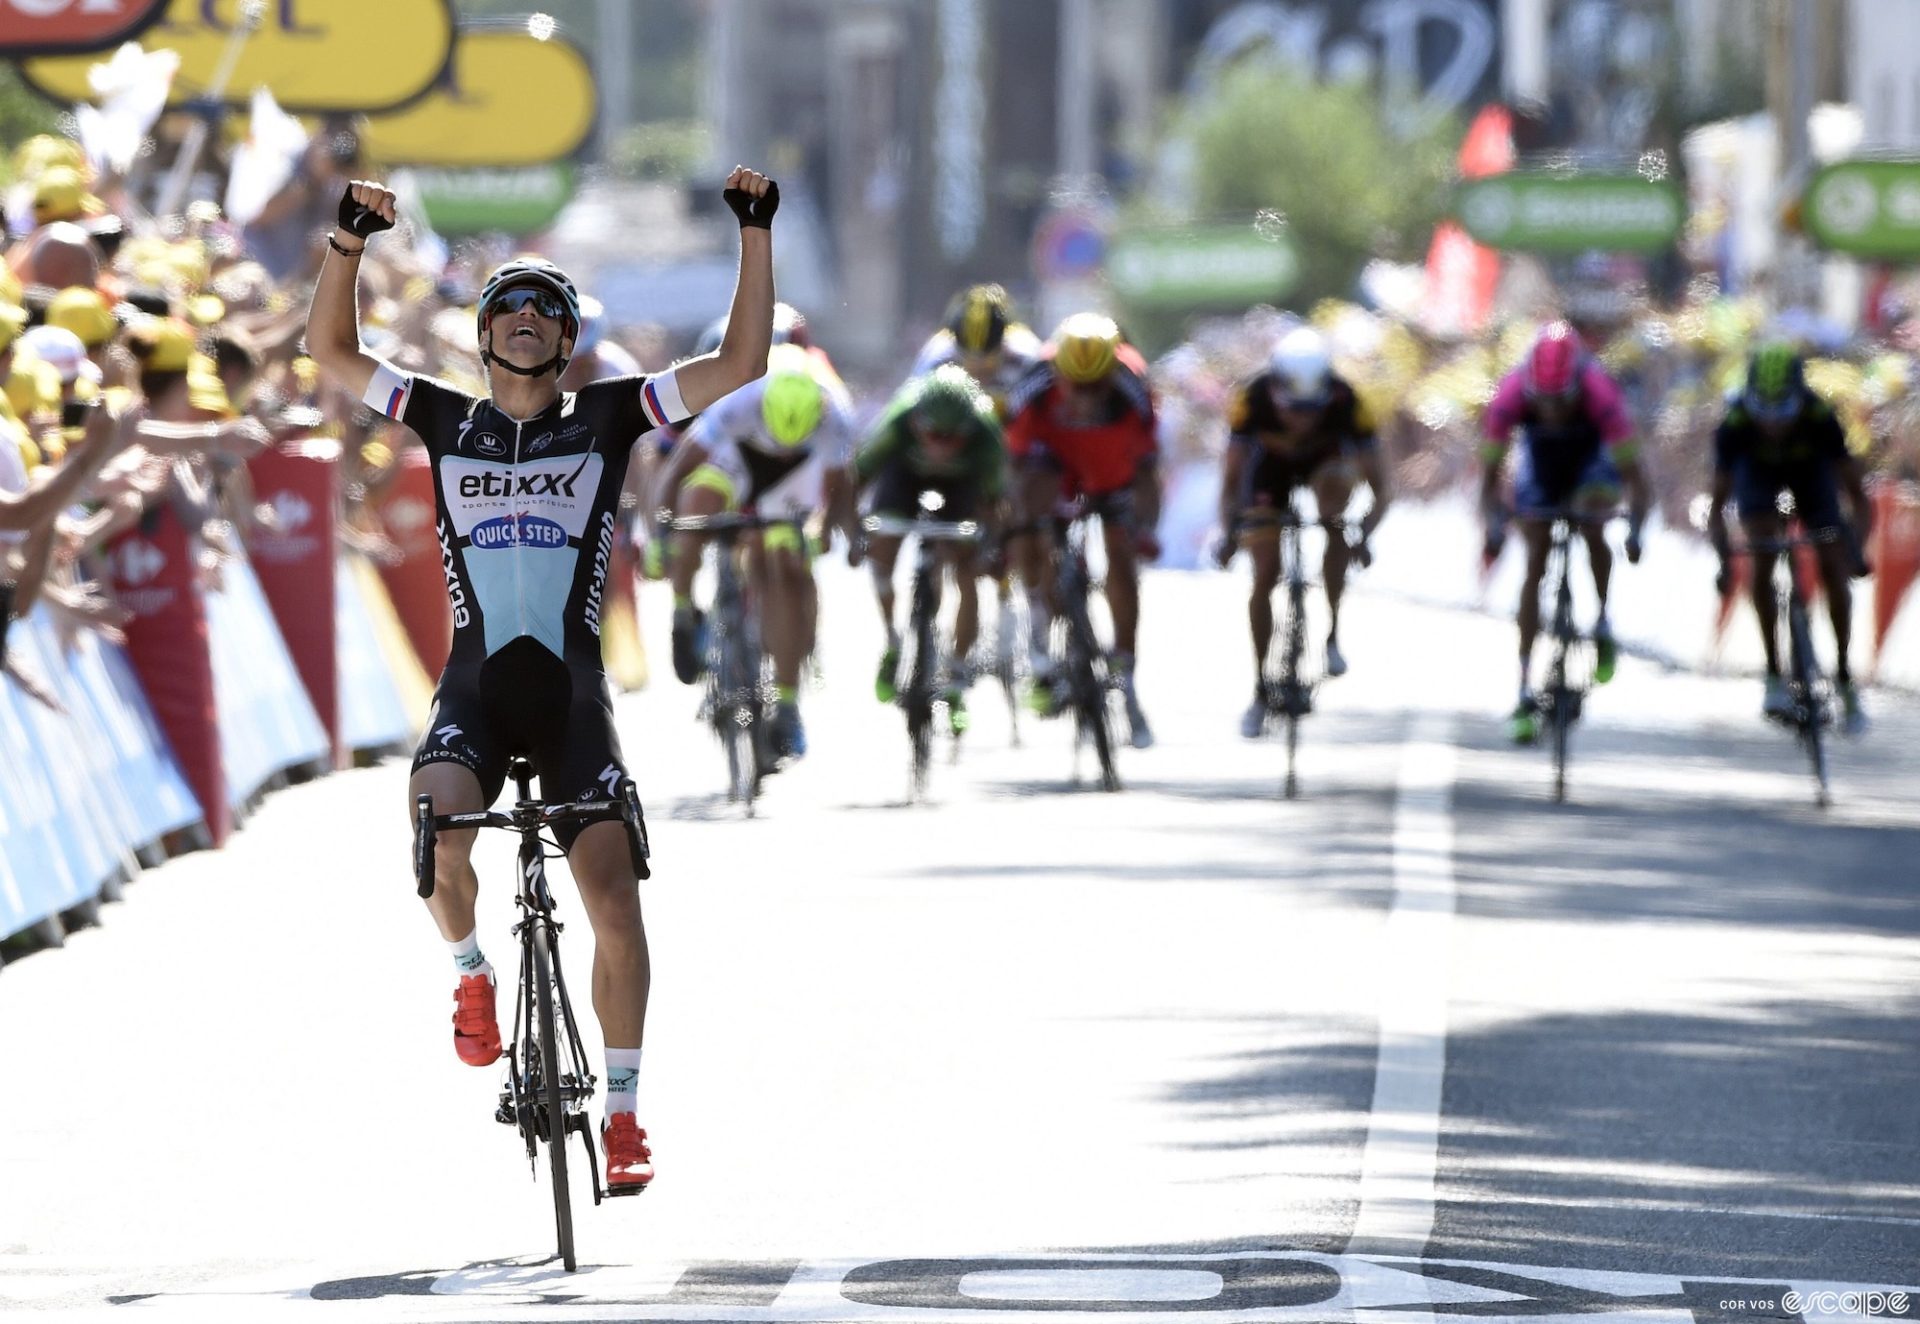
column 23, row 113
column 1346, row 184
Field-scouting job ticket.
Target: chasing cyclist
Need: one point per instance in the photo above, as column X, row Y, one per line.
column 982, row 336
column 1297, row 424
column 1576, row 452
column 779, row 447
column 1082, row 425
column 939, row 435
column 1778, row 435
column 526, row 487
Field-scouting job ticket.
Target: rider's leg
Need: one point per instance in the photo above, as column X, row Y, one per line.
column 1765, row 608
column 455, row 790
column 784, row 582
column 1600, row 557
column 601, row 862
column 1537, row 535
column 1263, row 549
column 1033, row 555
column 965, row 563
column 695, row 499
column 1123, row 586
column 1836, row 575
column 883, row 552
column 1332, row 491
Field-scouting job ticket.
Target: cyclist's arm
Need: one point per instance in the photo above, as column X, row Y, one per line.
column 1373, row 466
column 742, row 356
column 1722, row 493
column 1852, row 477
column 333, row 320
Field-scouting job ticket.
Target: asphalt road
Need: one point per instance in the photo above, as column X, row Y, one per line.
column 1420, row 1043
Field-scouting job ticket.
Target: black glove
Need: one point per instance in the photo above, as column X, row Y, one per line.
column 1633, row 545
column 360, row 220
column 752, row 211
column 1361, row 550
column 1723, row 580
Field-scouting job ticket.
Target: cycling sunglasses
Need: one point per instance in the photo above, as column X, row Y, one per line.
column 544, row 302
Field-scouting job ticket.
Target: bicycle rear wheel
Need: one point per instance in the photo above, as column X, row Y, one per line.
column 1091, row 713
column 1810, row 708
column 920, row 685
column 1292, row 687
column 551, row 1097
column 1559, row 717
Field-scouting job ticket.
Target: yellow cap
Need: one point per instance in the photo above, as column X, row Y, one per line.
column 162, row 344
column 61, row 195
column 33, row 388
column 205, row 309
column 205, row 390
column 85, row 313
column 44, row 152
column 13, row 319
column 11, row 290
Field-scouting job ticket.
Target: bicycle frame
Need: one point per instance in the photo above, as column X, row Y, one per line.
column 1807, row 684
column 1562, row 699
column 1086, row 662
column 548, row 1087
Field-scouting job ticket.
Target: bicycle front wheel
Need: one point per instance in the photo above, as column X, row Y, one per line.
column 1561, row 719
column 550, row 1097
column 1811, row 709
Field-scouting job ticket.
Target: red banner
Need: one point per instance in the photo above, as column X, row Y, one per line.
column 1895, row 554
column 1462, row 275
column 72, row 27
column 154, row 579
column 417, row 585
column 294, row 560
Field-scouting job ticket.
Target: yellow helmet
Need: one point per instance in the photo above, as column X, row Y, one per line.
column 793, row 402
column 1085, row 347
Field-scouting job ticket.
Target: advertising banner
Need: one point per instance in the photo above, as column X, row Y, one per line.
column 1199, row 266
column 299, row 480
column 69, row 27
column 317, row 56
column 417, row 583
column 1525, row 211
column 478, row 115
column 1867, row 209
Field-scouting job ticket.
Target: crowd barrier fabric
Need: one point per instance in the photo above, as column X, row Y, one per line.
column 417, row 583
column 294, row 560
column 266, row 723
column 372, row 708
column 80, row 790
column 1895, row 555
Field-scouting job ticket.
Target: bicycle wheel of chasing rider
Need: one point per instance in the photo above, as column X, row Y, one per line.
column 1295, row 688
column 1811, row 704
column 550, row 1097
column 919, row 697
column 1092, row 715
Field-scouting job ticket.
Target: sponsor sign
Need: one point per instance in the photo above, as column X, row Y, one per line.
column 508, row 99
column 316, row 56
column 1199, row 266
column 1538, row 213
column 1867, row 209
column 66, row 27
column 472, row 201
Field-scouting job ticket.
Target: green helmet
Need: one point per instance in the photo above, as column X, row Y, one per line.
column 949, row 402
column 794, row 401
column 1776, row 382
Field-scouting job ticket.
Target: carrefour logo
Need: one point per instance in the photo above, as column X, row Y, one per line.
column 523, row 531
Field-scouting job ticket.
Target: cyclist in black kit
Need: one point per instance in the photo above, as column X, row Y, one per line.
column 526, row 488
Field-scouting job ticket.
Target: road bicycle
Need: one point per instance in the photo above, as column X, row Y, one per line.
column 1081, row 668
column 921, row 698
column 1812, row 708
column 740, row 697
column 548, row 1086
column 1562, row 700
column 1294, row 668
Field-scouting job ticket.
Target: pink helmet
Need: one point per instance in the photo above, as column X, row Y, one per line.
column 1552, row 367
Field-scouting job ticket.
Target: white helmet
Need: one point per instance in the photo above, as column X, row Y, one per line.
column 1302, row 368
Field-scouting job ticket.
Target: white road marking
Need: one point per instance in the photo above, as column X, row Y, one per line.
column 1091, row 1285
column 1403, row 1127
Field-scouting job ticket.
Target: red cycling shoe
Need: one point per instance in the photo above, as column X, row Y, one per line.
column 629, row 1161
column 476, row 1029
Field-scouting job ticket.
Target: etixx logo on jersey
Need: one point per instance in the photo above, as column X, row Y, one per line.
column 523, row 530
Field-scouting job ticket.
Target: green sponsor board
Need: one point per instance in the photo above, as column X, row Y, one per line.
column 1865, row 208
column 518, row 200
column 1196, row 267
column 1537, row 213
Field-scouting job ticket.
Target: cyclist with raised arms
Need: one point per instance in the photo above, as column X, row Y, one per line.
column 1576, row 451
column 939, row 434
column 1778, row 435
column 1081, row 424
column 1297, row 424
column 526, row 488
column 780, row 447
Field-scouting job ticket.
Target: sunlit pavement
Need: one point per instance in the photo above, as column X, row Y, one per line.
column 1418, row 1042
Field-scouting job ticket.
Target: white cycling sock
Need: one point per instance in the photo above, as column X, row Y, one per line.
column 467, row 958
column 623, row 1080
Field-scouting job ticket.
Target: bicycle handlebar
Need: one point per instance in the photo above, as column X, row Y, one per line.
column 934, row 530
column 722, row 523
column 528, row 816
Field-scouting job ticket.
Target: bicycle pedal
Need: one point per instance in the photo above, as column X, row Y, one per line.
column 625, row 1189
